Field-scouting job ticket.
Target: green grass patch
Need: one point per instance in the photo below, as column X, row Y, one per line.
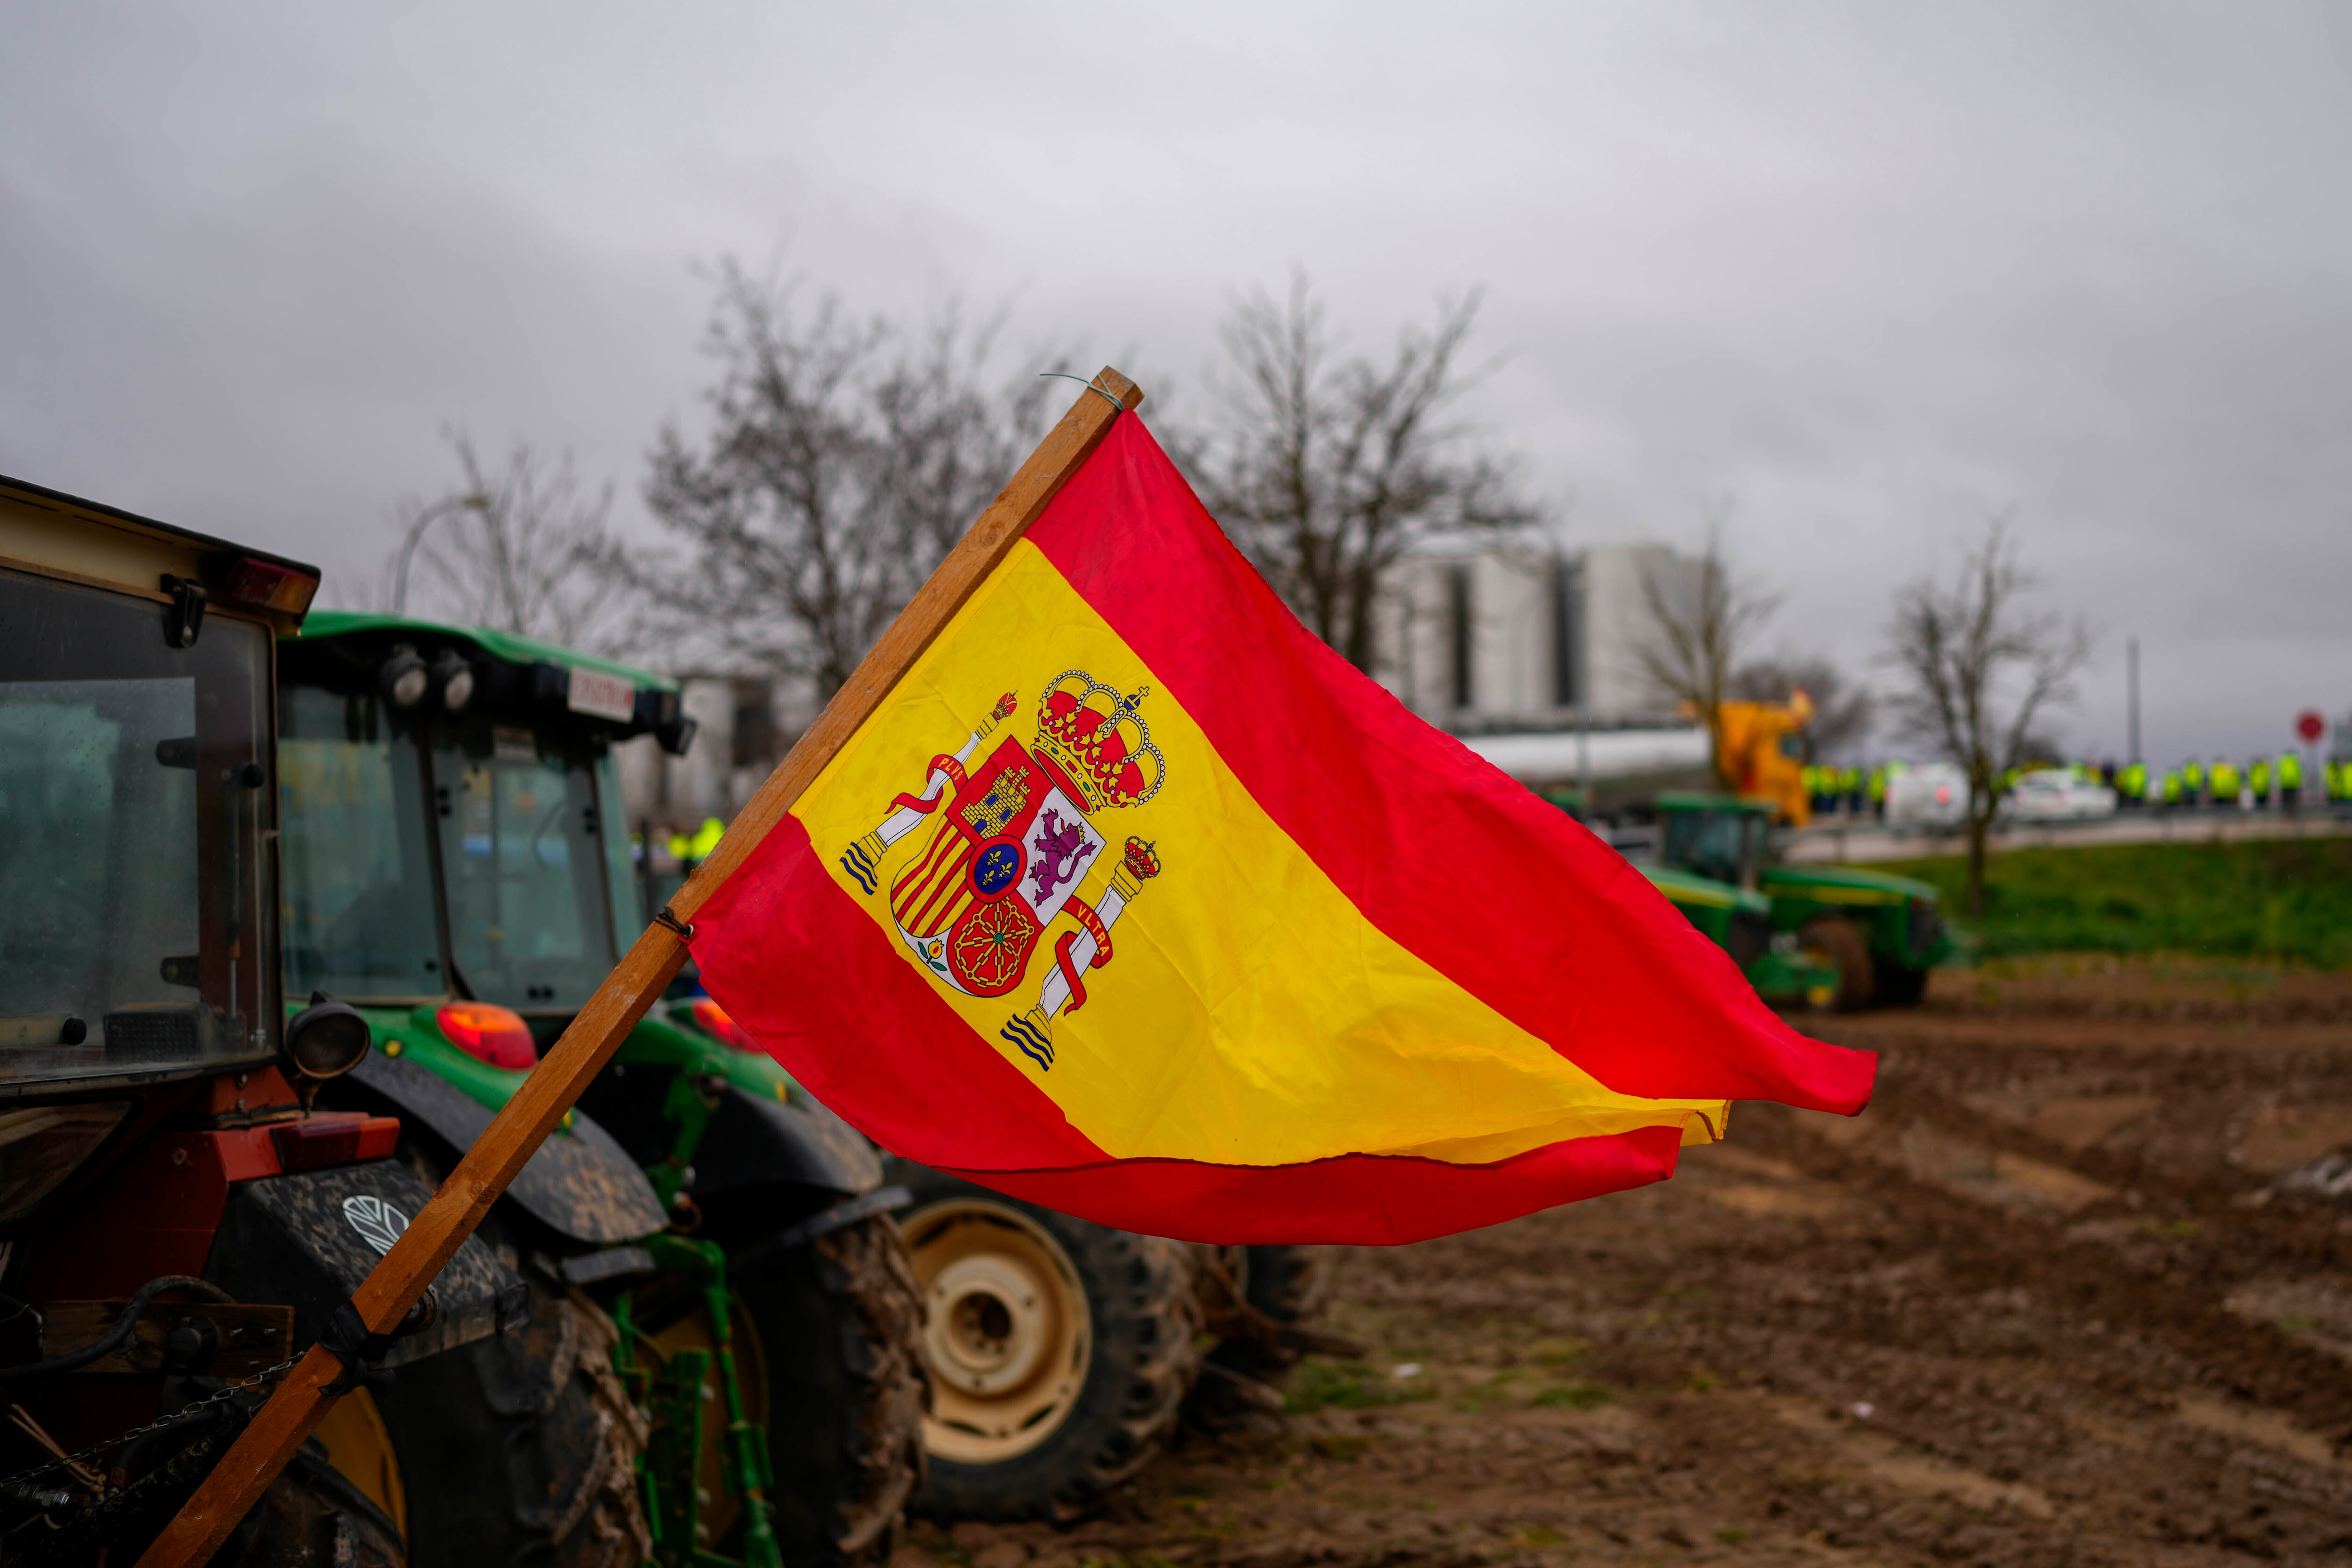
column 1347, row 1386
column 1576, row 1394
column 2287, row 900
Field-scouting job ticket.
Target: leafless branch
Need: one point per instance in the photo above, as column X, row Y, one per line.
column 843, row 457
column 523, row 547
column 1702, row 622
column 1327, row 472
column 1966, row 651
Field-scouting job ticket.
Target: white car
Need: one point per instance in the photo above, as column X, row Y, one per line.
column 1928, row 794
column 2053, row 794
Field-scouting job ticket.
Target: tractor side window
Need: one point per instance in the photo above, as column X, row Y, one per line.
column 357, row 867
column 134, row 798
column 623, row 880
column 1711, row 843
column 531, row 923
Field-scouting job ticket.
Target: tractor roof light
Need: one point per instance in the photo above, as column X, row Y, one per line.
column 326, row 1039
column 453, row 677
column 405, row 678
column 269, row 585
column 712, row 1020
column 489, row 1033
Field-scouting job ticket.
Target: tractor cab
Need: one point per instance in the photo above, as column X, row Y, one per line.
column 1720, row 837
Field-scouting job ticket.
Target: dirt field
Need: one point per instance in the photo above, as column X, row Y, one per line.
column 2059, row 1297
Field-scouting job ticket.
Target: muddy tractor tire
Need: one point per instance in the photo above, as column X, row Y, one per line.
column 1278, row 1288
column 517, row 1451
column 1061, row 1351
column 1840, row 942
column 839, row 1323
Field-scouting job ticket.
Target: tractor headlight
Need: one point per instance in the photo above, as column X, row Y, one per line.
column 405, row 678
column 326, row 1039
column 454, row 677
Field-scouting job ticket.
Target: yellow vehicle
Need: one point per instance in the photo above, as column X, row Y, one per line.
column 1761, row 755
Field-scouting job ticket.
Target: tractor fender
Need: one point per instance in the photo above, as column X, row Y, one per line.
column 753, row 1142
column 580, row 1183
column 307, row 1240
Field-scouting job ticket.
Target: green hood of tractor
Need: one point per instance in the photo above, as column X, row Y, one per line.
column 1844, row 885
column 519, row 650
column 1689, row 888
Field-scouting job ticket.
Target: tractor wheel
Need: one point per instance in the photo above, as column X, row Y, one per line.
column 1840, row 944
column 839, row 1324
column 1281, row 1286
column 1061, row 1351
column 1900, row 986
column 518, row 1449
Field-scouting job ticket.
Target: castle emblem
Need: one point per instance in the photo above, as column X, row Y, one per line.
column 1012, row 843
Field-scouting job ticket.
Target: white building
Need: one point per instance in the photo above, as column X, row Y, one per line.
column 1509, row 637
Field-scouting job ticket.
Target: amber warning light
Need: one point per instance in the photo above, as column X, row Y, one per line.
column 489, row 1034
column 268, row 585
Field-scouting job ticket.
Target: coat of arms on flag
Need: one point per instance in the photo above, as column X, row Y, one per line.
column 1010, row 842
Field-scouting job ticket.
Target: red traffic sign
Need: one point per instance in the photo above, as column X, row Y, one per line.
column 2309, row 724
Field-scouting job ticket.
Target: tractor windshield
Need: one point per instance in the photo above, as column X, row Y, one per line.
column 357, row 862
column 1723, row 845
column 522, row 853
column 133, row 802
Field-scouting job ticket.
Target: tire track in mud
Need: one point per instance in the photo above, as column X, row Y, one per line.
column 2158, row 1255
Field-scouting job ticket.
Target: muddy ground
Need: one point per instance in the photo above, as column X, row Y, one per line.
column 2072, row 1291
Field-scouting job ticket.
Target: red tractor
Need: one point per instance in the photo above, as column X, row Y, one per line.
column 179, row 1220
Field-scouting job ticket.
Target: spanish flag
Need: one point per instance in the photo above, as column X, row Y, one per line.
column 1133, row 899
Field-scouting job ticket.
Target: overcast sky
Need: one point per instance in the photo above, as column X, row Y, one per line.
column 1863, row 274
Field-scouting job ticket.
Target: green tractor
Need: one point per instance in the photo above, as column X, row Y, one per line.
column 1871, row 938
column 456, row 864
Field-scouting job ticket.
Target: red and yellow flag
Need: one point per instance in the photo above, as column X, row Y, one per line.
column 1135, row 899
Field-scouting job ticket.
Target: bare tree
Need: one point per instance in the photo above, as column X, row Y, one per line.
column 1843, row 712
column 843, row 460
column 1979, row 670
column 1702, row 619
column 522, row 548
column 1328, row 472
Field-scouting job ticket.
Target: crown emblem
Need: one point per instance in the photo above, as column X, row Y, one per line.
column 1142, row 860
column 1094, row 735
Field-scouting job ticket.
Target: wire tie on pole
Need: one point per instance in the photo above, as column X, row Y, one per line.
column 1082, row 381
column 685, row 931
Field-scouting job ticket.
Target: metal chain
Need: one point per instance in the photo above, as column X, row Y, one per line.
column 227, row 1390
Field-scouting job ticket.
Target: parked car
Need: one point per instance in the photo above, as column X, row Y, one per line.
column 2053, row 794
column 1928, row 794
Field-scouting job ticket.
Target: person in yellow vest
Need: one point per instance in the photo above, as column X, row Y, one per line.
column 2131, row 784
column 2192, row 782
column 1878, row 790
column 2174, row 787
column 2290, row 780
column 2221, row 782
column 2258, row 776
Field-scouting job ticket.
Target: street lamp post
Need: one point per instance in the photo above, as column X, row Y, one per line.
column 476, row 501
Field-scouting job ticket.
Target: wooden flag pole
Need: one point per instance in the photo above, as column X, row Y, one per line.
column 517, row 1132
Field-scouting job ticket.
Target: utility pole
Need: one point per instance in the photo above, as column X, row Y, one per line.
column 2131, row 686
